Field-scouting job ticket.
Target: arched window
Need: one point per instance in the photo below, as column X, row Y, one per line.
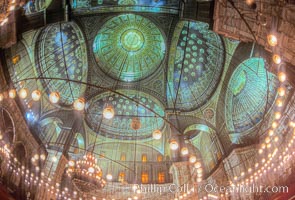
column 144, row 158
column 144, row 177
column 121, row 177
column 161, row 177
column 159, row 158
column 123, row 157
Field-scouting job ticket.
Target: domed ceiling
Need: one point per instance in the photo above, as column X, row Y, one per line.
column 129, row 47
column 250, row 94
column 126, row 109
column 195, row 65
column 61, row 53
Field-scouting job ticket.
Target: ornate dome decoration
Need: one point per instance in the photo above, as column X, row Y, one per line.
column 121, row 126
column 127, row 2
column 129, row 47
column 250, row 92
column 62, row 54
column 36, row 6
column 195, row 65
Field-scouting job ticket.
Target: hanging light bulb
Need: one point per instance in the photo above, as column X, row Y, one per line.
column 184, row 151
column 279, row 102
column 23, row 93
column 42, row 156
column 173, row 145
column 272, row 40
column 274, row 125
column 157, row 134
column 108, row 112
column 36, row 95
column 270, row 132
column 192, row 159
column 282, row 76
column 54, row 159
column 79, row 104
column 276, row 59
column 12, row 93
column 277, row 115
column 1, row 97
column 281, row 91
column 200, row 170
column 71, row 163
column 54, row 97
column 109, row 177
column 197, row 165
column 91, row 170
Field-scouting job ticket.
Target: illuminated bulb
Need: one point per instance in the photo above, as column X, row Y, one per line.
column 71, row 163
column 173, row 145
column 279, row 103
column 282, row 76
column 199, row 171
column 157, row 134
column 36, row 156
column 263, row 146
column 249, row 170
column 23, row 93
column 192, row 159
column 260, row 151
column 270, row 132
column 54, row 159
column 108, row 112
column 12, row 93
column 274, row 125
column 197, row 165
column 199, row 180
column 272, row 40
column 268, row 146
column 281, row 91
column 276, row 59
column 109, row 177
column 91, row 170
column 54, row 97
column 184, row 151
column 42, row 156
column 277, row 115
column 36, row 95
column 267, row 139
column 1, row 97
column 79, row 104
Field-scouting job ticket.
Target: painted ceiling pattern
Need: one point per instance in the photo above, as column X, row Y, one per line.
column 250, row 94
column 62, row 54
column 101, row 6
column 33, row 6
column 195, row 65
column 135, row 104
column 129, row 47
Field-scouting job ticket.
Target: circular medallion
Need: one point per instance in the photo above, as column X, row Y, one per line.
column 129, row 47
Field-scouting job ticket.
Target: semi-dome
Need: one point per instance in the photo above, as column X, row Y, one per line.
column 250, row 94
column 61, row 54
column 195, row 65
column 132, row 105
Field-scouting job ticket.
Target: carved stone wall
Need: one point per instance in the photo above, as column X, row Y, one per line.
column 269, row 16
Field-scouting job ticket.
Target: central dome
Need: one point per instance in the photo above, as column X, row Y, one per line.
column 129, row 47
